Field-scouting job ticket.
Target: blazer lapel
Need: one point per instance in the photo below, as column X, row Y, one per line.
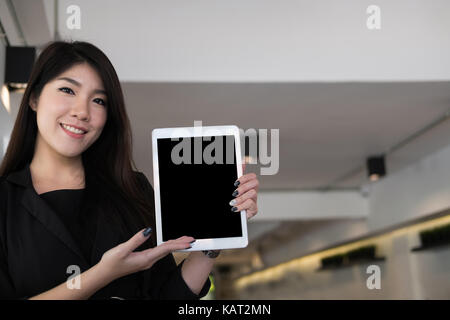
column 43, row 212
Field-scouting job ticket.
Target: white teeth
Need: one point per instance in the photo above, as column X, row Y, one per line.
column 72, row 129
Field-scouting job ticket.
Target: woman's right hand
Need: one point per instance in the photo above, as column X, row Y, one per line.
column 121, row 260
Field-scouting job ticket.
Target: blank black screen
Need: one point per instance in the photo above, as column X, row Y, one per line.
column 195, row 197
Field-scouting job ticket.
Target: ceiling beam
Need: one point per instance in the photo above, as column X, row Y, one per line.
column 307, row 205
column 10, row 24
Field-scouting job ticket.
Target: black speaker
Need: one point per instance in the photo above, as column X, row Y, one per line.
column 18, row 66
column 376, row 167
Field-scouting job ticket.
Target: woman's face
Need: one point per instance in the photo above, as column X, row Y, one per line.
column 75, row 100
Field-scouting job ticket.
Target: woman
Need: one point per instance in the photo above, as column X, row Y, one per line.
column 70, row 202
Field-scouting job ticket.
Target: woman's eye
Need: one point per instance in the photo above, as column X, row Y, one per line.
column 100, row 101
column 66, row 90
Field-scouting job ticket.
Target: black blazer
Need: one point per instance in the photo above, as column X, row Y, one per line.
column 36, row 249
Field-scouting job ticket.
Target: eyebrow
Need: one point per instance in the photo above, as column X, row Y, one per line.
column 76, row 83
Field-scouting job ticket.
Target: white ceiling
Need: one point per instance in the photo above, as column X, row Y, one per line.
column 326, row 129
column 266, row 40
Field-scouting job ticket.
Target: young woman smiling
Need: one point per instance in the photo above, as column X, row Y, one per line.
column 70, row 199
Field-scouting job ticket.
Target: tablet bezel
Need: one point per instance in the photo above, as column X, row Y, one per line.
column 190, row 132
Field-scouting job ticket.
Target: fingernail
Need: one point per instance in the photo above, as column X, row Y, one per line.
column 234, row 209
column 233, row 202
column 235, row 193
column 237, row 183
column 147, row 232
column 192, row 241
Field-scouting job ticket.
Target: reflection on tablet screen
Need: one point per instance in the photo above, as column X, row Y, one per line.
column 195, row 196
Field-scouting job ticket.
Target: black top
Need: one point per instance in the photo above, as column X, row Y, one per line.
column 67, row 203
column 42, row 235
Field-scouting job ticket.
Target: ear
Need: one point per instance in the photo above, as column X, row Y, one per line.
column 33, row 103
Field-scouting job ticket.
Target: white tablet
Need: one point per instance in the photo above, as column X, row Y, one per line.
column 194, row 170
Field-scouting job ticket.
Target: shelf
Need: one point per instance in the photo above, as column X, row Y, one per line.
column 352, row 264
column 442, row 246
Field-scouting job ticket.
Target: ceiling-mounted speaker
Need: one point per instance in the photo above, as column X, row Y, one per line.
column 376, row 167
column 18, row 65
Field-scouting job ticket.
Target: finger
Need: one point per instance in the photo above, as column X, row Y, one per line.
column 136, row 240
column 250, row 207
column 184, row 238
column 238, row 181
column 250, row 184
column 149, row 256
column 248, row 204
column 176, row 244
column 245, row 178
column 251, row 213
column 172, row 245
column 250, row 194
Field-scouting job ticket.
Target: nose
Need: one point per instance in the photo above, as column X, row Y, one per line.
column 81, row 111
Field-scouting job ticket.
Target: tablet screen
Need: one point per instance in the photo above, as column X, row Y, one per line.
column 195, row 195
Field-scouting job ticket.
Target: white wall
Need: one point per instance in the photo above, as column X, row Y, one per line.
column 418, row 190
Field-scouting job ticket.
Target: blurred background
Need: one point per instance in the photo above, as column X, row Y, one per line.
column 360, row 205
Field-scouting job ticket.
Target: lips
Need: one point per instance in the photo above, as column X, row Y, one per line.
column 70, row 132
column 74, row 126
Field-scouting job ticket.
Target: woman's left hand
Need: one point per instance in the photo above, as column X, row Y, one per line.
column 247, row 194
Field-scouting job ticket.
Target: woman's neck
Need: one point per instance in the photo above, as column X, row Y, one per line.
column 53, row 171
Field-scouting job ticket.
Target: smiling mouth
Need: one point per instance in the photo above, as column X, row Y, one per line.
column 72, row 130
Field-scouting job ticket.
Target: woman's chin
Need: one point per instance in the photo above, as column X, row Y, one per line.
column 70, row 153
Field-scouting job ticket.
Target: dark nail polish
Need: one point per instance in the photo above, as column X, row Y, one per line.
column 237, row 183
column 147, row 232
column 235, row 193
column 192, row 241
column 234, row 209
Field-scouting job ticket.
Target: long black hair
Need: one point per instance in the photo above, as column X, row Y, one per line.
column 108, row 164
